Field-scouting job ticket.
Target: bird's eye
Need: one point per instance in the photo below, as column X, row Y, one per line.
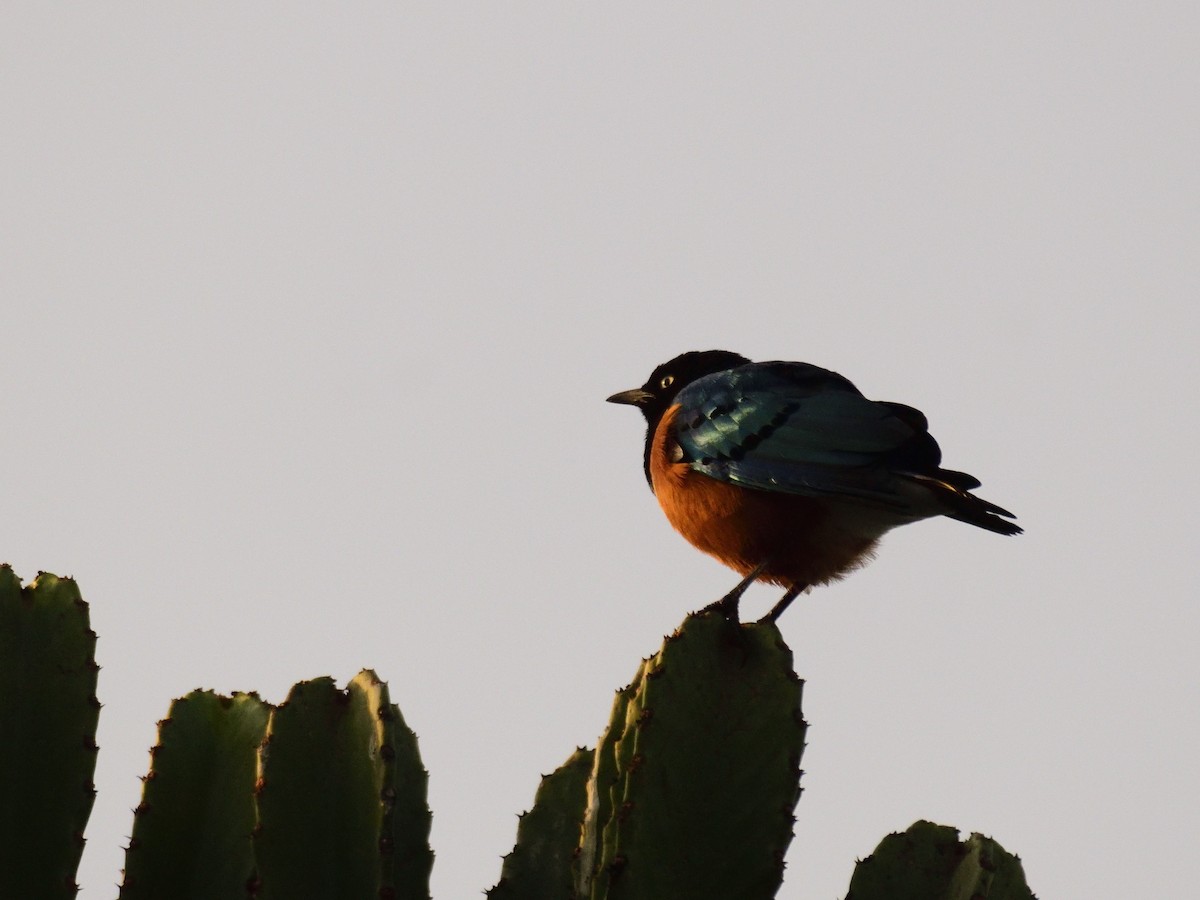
column 667, row 381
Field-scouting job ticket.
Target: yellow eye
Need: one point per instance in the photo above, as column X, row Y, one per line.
column 667, row 381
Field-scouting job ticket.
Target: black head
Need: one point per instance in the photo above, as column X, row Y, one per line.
column 654, row 397
column 658, row 393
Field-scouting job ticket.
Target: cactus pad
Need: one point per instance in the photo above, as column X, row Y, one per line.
column 48, row 753
column 341, row 798
column 698, row 774
column 540, row 865
column 191, row 832
column 928, row 862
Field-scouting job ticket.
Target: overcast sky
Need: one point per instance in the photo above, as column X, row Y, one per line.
column 309, row 313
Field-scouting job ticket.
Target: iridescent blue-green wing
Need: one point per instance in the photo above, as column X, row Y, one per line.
column 800, row 429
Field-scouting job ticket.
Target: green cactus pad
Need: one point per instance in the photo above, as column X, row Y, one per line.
column 341, row 798
column 698, row 775
column 540, row 865
column 48, row 716
column 191, row 832
column 928, row 862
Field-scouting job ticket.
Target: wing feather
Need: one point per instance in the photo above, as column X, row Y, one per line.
column 798, row 429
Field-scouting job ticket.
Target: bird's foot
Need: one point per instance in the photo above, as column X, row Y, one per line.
column 727, row 606
column 777, row 610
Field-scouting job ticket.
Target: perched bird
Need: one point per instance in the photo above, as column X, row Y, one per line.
column 786, row 473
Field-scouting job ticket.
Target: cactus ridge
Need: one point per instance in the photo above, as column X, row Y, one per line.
column 49, row 712
column 405, row 857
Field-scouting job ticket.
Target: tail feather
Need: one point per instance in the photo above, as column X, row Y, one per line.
column 960, row 480
column 950, row 491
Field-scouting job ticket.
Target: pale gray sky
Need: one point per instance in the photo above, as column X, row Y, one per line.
column 309, row 314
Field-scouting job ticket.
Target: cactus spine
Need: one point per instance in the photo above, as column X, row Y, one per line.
column 48, row 716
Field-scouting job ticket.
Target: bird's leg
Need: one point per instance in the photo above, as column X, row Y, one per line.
column 728, row 605
column 777, row 610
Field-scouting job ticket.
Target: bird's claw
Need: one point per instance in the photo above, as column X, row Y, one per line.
column 726, row 607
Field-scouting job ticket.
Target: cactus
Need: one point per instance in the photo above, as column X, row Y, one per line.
column 322, row 795
column 690, row 792
column 928, row 862
column 48, row 716
column 341, row 797
column 693, row 785
column 540, row 865
column 706, row 751
column 191, row 832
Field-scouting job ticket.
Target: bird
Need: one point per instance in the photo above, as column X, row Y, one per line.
column 786, row 473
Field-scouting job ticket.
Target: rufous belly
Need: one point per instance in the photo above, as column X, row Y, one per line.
column 800, row 540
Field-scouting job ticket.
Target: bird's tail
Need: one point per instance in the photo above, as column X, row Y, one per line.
column 951, row 488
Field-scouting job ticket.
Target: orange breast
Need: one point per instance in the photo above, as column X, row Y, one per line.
column 800, row 540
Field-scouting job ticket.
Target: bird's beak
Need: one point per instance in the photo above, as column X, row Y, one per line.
column 635, row 397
